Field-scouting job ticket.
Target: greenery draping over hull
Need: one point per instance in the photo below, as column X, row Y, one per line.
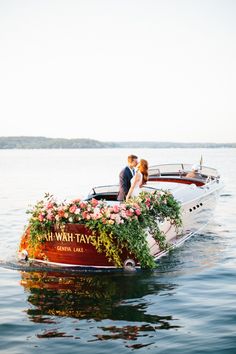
column 121, row 226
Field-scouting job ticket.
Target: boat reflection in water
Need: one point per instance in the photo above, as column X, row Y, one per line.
column 96, row 297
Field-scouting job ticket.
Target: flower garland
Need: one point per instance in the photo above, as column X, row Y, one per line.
column 121, row 226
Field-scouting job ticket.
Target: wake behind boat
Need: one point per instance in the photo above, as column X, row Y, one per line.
column 75, row 236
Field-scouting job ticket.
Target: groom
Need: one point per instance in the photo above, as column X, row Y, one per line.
column 125, row 176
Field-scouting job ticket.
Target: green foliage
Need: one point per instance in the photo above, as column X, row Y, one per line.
column 122, row 228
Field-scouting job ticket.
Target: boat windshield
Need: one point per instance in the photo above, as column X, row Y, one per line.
column 113, row 190
column 180, row 168
column 104, row 189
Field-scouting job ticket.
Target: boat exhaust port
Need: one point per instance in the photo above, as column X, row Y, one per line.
column 23, row 255
column 129, row 265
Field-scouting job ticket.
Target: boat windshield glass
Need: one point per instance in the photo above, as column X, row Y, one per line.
column 113, row 189
column 104, row 189
column 176, row 169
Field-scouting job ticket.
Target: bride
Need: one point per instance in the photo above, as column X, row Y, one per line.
column 139, row 179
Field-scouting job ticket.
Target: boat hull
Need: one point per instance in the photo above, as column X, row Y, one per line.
column 73, row 245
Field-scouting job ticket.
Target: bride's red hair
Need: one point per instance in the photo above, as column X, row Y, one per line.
column 143, row 168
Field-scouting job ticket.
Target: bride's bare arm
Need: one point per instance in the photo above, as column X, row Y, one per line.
column 135, row 181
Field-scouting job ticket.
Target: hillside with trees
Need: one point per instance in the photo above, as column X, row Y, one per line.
column 33, row 142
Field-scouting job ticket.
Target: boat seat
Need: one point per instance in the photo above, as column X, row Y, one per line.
column 103, row 196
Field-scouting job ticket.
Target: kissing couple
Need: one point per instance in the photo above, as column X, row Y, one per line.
column 132, row 178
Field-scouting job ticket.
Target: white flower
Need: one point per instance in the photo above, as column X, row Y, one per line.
column 96, row 210
column 118, row 219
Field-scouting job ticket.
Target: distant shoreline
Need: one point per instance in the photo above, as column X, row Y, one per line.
column 27, row 142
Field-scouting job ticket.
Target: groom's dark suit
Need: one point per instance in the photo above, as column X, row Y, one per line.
column 125, row 177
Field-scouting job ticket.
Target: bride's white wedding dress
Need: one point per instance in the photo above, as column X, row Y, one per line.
column 138, row 184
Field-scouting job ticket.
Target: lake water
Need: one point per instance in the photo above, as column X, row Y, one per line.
column 187, row 305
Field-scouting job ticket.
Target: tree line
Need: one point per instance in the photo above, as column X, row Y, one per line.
column 28, row 142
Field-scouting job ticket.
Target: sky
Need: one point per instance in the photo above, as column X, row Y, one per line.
column 119, row 70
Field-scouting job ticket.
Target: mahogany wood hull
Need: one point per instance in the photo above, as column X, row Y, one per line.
column 71, row 246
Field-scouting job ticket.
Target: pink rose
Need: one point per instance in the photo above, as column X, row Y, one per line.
column 94, row 202
column 77, row 211
column 50, row 216
column 83, row 205
column 40, row 217
column 84, row 214
column 123, row 214
column 138, row 212
column 116, row 208
column 61, row 213
column 73, row 208
column 49, row 205
column 129, row 212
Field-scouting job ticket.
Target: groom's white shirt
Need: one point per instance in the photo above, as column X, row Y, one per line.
column 132, row 170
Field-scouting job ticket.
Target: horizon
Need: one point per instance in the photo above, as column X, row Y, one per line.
column 119, row 70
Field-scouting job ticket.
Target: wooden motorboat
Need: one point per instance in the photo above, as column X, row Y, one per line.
column 74, row 244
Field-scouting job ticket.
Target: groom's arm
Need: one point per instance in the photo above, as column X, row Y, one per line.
column 124, row 182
